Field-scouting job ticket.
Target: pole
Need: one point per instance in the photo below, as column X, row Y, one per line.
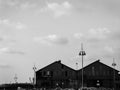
column 82, row 72
column 82, row 53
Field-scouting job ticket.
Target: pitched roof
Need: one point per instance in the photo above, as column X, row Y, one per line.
column 59, row 61
column 98, row 61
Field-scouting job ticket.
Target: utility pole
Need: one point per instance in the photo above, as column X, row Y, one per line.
column 114, row 64
column 82, row 53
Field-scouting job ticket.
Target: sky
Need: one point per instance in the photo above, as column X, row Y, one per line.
column 39, row 32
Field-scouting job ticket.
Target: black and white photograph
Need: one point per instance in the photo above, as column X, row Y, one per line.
column 59, row 44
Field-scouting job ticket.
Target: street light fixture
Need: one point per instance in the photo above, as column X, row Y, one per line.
column 82, row 53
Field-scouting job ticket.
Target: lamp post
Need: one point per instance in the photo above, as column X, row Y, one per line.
column 114, row 64
column 82, row 53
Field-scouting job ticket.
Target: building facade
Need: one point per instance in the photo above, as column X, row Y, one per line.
column 95, row 74
column 98, row 74
column 54, row 75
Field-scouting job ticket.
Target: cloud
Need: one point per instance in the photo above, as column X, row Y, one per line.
column 78, row 35
column 100, row 33
column 94, row 35
column 52, row 39
column 103, row 6
column 8, row 23
column 58, row 9
column 10, row 51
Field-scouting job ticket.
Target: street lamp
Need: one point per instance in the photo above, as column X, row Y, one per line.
column 82, row 53
column 114, row 64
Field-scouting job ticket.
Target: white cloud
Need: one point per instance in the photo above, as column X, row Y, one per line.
column 78, row 35
column 58, row 9
column 8, row 23
column 93, row 35
column 100, row 33
column 52, row 39
column 10, row 51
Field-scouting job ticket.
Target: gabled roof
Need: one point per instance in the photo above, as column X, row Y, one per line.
column 98, row 61
column 59, row 62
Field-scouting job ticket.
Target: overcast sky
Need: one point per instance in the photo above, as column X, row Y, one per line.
column 43, row 31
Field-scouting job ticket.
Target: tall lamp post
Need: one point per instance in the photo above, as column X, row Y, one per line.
column 114, row 64
column 82, row 53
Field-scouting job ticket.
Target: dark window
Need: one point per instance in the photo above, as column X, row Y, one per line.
column 66, row 73
column 48, row 73
column 51, row 73
column 44, row 73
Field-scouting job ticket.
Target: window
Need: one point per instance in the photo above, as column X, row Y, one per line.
column 66, row 73
column 48, row 73
column 51, row 73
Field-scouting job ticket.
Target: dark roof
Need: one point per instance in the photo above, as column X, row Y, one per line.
column 59, row 61
column 98, row 61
